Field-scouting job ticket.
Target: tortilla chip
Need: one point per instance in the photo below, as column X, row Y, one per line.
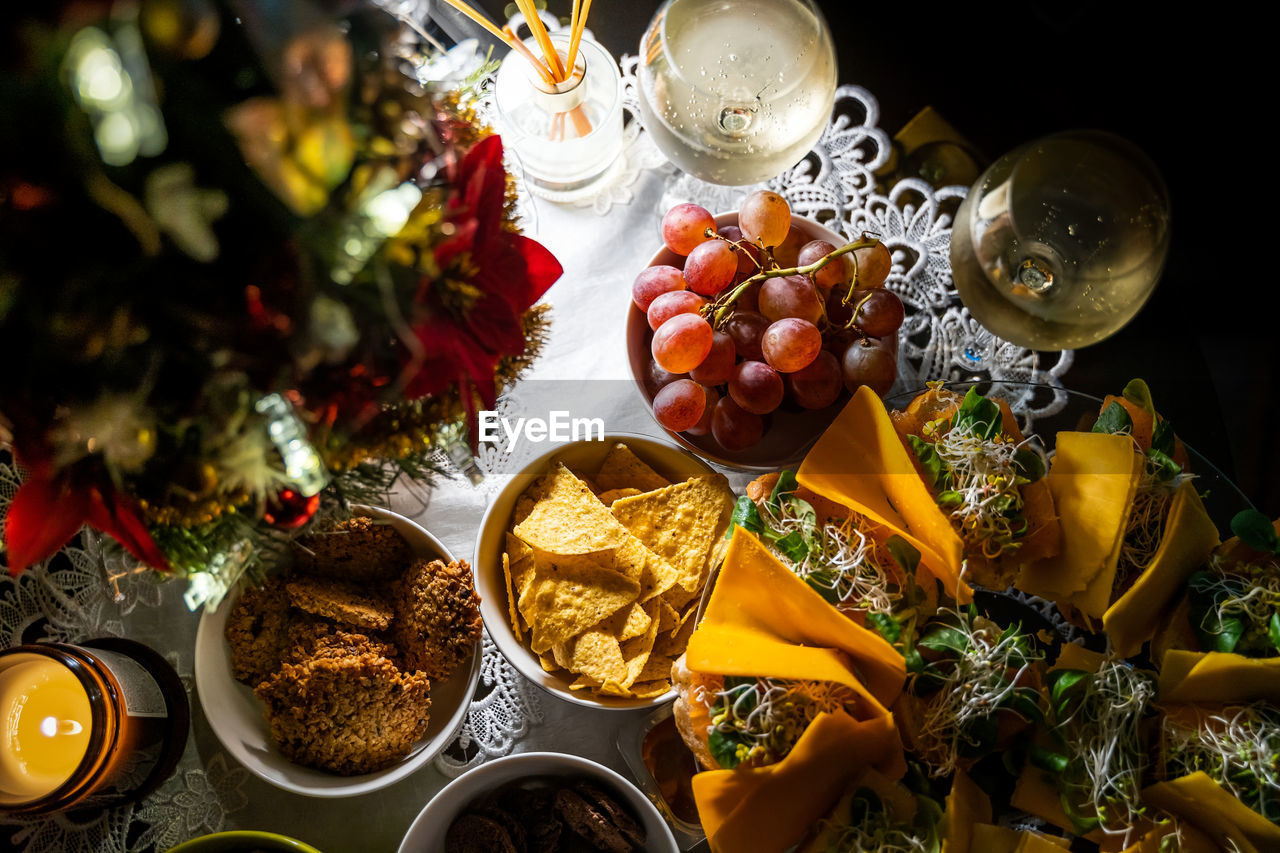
column 673, row 644
column 636, row 651
column 635, row 622
column 622, row 469
column 567, row 595
column 597, row 654
column 657, row 667
column 512, row 613
column 650, row 689
column 668, row 616
column 548, row 664
column 607, row 498
column 569, row 519
column 681, row 523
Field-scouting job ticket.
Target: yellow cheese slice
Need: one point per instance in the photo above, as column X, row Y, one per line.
column 1073, row 656
column 733, row 650
column 1035, row 842
column 1189, row 536
column 1190, row 840
column 757, row 593
column 768, row 809
column 1093, row 477
column 967, row 805
column 1205, row 803
column 1218, row 678
column 860, row 462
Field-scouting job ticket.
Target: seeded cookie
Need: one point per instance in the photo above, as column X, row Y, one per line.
column 257, row 631
column 361, row 549
column 345, row 603
column 350, row 712
column 437, row 616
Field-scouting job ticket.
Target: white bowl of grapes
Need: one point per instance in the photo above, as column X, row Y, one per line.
column 749, row 330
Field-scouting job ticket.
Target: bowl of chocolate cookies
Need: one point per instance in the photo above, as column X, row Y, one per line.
column 351, row 666
column 539, row 801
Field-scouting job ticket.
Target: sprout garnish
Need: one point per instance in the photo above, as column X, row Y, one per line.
column 1238, row 748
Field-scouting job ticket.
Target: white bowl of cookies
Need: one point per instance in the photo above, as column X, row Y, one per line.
column 350, row 670
column 539, row 801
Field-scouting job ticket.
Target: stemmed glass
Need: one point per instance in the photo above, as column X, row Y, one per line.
column 736, row 91
column 1060, row 242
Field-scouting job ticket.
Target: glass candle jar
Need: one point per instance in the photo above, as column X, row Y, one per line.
column 567, row 136
column 91, row 726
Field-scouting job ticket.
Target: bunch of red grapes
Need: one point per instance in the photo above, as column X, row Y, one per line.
column 734, row 337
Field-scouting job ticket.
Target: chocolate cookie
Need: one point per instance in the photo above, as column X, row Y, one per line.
column 617, row 815
column 474, row 833
column 590, row 823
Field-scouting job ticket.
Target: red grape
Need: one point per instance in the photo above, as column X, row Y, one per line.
column 703, row 426
column 717, row 367
column 765, row 216
column 787, row 253
column 734, row 428
column 667, row 305
column 838, row 313
column 685, row 226
column 749, row 299
column 790, row 296
column 710, row 267
column 869, row 362
column 747, row 328
column 756, row 387
column 656, row 378
column 881, row 314
column 791, row 344
column 838, row 271
column 653, row 282
column 680, row 405
column 873, row 265
column 745, row 252
column 681, row 343
column 818, row 385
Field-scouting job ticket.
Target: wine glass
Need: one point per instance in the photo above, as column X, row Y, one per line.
column 735, row 91
column 1060, row 242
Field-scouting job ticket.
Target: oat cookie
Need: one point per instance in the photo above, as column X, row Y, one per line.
column 361, row 549
column 437, row 620
column 345, row 603
column 257, row 631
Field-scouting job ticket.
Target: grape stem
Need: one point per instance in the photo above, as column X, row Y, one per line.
column 722, row 307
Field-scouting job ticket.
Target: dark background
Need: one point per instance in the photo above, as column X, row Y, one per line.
column 1189, row 88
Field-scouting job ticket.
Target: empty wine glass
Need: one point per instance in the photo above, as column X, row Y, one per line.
column 1060, row 242
column 736, row 91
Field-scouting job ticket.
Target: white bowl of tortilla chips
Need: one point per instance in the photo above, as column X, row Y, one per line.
column 591, row 563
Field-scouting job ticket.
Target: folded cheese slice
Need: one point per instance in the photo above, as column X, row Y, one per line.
column 1204, row 803
column 762, row 620
column 1218, row 678
column 967, row 805
column 768, row 809
column 1093, row 477
column 1189, row 537
column 860, row 462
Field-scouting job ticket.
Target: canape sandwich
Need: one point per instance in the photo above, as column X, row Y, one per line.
column 1133, row 525
column 973, row 688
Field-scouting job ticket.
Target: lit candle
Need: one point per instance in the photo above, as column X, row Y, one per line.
column 45, row 719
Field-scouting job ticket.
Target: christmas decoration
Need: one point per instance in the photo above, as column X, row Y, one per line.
column 252, row 269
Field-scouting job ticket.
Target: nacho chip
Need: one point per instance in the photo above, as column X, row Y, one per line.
column 512, row 613
column 635, row 623
column 668, row 616
column 622, row 469
column 548, row 664
column 650, row 689
column 568, row 595
column 681, row 523
column 607, row 498
column 636, row 651
column 597, row 655
column 569, row 519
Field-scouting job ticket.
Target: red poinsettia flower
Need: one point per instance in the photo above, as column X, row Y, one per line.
column 471, row 314
column 50, row 507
